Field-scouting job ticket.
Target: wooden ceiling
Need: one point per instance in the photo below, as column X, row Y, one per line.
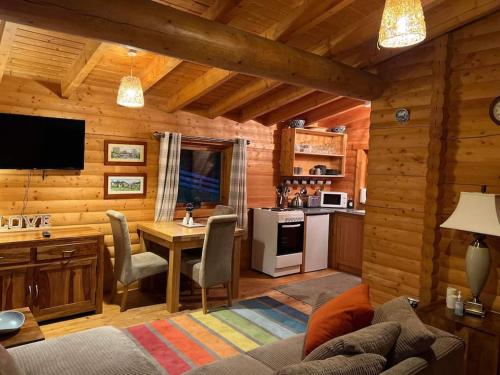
column 343, row 30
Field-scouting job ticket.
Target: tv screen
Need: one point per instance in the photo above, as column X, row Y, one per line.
column 32, row 142
column 200, row 176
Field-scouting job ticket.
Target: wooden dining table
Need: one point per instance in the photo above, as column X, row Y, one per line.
column 177, row 238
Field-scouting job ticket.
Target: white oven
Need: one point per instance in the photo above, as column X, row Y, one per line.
column 333, row 199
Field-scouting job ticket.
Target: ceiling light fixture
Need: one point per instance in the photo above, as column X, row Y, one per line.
column 403, row 24
column 130, row 92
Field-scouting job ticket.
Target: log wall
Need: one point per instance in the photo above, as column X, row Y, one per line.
column 417, row 170
column 74, row 198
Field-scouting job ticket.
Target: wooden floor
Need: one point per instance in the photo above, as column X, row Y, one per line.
column 145, row 307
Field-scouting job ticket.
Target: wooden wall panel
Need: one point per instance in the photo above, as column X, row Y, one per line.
column 397, row 176
column 472, row 146
column 75, row 198
column 417, row 171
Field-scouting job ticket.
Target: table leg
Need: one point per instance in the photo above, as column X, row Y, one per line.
column 142, row 244
column 174, row 276
column 236, row 266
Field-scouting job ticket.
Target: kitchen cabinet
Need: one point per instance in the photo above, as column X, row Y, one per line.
column 346, row 242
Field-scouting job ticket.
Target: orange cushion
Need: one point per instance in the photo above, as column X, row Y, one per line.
column 346, row 313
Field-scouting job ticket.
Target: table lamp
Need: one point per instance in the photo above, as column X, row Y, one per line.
column 478, row 213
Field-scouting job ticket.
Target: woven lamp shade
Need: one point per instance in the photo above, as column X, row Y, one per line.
column 403, row 24
column 130, row 93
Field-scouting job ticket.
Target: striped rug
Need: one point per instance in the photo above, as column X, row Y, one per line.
column 190, row 340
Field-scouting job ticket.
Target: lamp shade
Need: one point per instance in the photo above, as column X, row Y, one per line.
column 403, row 24
column 130, row 92
column 476, row 213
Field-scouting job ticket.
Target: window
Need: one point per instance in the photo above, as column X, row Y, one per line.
column 201, row 180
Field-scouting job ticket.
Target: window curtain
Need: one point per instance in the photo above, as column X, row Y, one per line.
column 238, row 182
column 168, row 176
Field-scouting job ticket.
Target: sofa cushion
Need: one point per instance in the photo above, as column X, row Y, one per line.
column 7, row 364
column 361, row 364
column 376, row 339
column 280, row 353
column 103, row 351
column 239, row 365
column 343, row 314
column 414, row 338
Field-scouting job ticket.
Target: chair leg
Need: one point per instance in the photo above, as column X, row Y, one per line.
column 113, row 290
column 123, row 305
column 204, row 300
column 229, row 294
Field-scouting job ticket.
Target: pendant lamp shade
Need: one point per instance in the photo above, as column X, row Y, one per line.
column 477, row 213
column 403, row 24
column 130, row 93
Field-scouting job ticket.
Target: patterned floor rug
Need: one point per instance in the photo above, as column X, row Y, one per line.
column 191, row 340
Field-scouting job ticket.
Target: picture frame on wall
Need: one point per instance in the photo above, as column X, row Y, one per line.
column 125, row 153
column 125, row 185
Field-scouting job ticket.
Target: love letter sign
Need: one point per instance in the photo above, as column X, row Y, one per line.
column 23, row 222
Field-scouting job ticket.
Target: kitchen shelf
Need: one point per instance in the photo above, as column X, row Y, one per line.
column 325, row 141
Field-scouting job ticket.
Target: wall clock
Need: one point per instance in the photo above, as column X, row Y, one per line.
column 495, row 110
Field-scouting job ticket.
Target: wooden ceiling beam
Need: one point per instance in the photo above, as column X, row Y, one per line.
column 208, row 82
column 299, row 21
column 334, row 108
column 86, row 62
column 268, row 103
column 7, row 35
column 293, row 109
column 161, row 66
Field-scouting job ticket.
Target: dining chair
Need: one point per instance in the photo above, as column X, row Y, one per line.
column 223, row 210
column 130, row 267
column 214, row 267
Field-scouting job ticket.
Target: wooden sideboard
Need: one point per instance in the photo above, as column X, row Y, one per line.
column 57, row 276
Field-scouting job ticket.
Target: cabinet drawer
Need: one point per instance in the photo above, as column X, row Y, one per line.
column 66, row 251
column 15, row 255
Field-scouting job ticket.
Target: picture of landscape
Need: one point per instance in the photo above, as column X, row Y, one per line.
column 125, row 153
column 125, row 185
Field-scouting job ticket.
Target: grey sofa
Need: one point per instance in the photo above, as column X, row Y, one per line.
column 109, row 351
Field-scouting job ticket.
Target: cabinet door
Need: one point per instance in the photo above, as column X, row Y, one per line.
column 14, row 288
column 64, row 288
column 348, row 239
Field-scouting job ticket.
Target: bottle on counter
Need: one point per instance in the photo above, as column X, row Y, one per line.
column 459, row 305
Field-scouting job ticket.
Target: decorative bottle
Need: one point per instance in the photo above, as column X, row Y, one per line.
column 459, row 305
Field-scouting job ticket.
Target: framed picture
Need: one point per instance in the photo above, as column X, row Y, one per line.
column 125, row 153
column 125, row 185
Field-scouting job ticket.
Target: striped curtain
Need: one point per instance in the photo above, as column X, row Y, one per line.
column 168, row 177
column 238, row 187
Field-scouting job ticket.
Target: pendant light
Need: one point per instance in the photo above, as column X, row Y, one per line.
column 130, row 92
column 403, row 24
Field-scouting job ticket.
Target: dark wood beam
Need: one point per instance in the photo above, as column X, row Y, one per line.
column 164, row 30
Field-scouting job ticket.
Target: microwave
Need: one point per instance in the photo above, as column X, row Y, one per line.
column 333, row 199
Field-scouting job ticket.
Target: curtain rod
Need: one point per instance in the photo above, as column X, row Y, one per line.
column 159, row 135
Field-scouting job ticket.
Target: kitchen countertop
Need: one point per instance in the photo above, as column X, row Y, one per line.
column 324, row 210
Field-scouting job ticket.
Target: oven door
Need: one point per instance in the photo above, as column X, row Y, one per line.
column 290, row 238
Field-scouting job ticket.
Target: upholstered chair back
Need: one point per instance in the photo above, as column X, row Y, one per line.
column 223, row 210
column 123, row 247
column 217, row 254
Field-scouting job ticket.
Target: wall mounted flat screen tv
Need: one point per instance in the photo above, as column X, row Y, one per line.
column 32, row 142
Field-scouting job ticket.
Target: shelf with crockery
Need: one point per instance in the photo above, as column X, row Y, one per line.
column 305, row 153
